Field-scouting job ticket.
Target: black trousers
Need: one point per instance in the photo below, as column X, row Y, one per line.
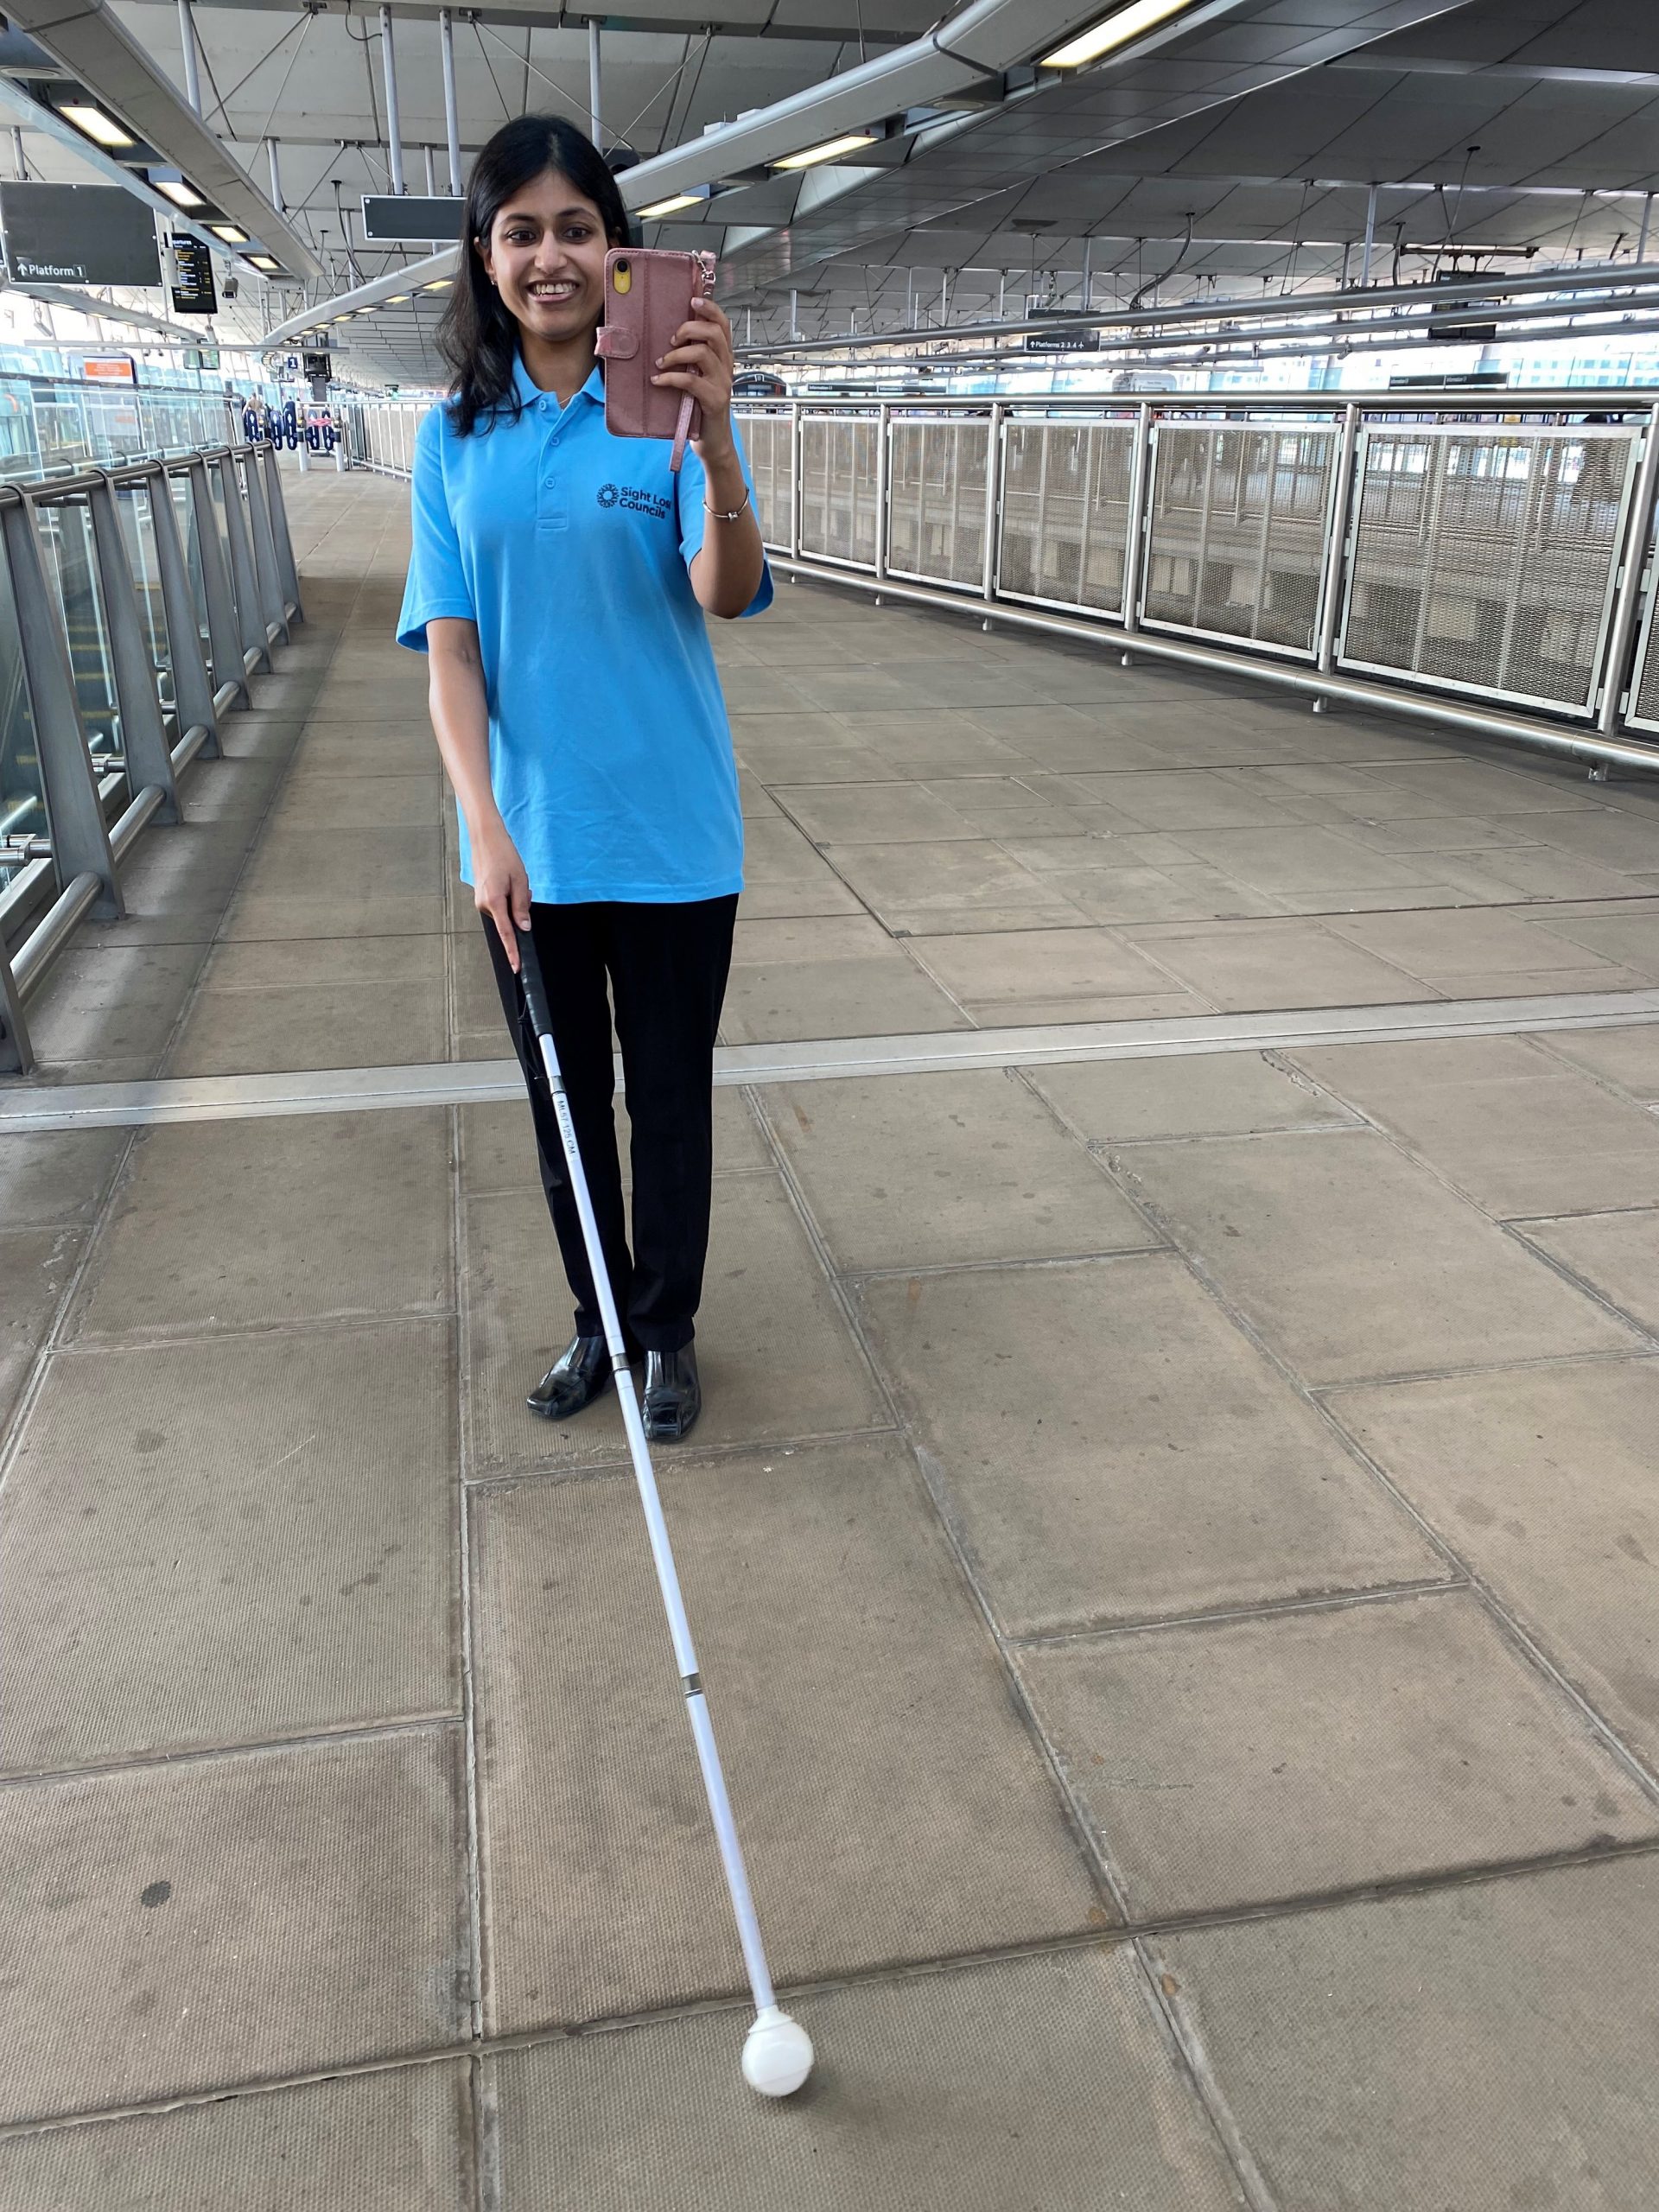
column 662, row 970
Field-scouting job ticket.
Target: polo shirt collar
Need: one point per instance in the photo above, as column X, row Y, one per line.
column 529, row 391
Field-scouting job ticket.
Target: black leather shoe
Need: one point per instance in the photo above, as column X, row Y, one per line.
column 580, row 1374
column 673, row 1394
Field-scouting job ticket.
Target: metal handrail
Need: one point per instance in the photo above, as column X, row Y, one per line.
column 94, row 817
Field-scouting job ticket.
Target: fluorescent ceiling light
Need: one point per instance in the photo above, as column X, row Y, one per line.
column 833, row 148
column 263, row 261
column 95, row 123
column 181, row 193
column 229, row 233
column 661, row 207
column 438, row 284
column 1111, row 32
column 398, row 299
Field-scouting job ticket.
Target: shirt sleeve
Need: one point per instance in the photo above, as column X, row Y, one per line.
column 693, row 491
column 437, row 581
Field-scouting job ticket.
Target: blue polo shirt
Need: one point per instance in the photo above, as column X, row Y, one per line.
column 610, row 752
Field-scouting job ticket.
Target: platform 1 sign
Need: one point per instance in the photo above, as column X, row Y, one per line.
column 192, row 276
column 78, row 234
column 403, row 219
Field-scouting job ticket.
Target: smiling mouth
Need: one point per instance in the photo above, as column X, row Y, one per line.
column 552, row 293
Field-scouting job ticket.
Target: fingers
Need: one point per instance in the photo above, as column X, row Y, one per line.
column 501, row 914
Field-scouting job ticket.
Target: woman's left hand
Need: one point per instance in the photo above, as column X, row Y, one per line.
column 700, row 362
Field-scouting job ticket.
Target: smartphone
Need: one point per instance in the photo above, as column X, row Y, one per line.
column 648, row 295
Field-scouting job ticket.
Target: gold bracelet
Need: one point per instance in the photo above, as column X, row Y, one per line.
column 735, row 513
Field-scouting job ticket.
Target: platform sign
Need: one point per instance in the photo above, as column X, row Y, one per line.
column 78, row 234
column 109, row 368
column 191, row 277
column 403, row 218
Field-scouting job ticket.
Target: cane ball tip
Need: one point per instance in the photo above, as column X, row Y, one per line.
column 778, row 2054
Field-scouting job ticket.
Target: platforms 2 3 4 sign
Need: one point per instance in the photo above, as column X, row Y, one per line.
column 78, row 234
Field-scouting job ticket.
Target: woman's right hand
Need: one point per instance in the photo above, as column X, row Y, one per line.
column 501, row 888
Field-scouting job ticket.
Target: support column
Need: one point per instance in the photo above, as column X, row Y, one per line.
column 394, row 127
column 1370, row 238
column 1641, row 241
column 276, row 178
column 431, row 178
column 192, row 61
column 19, row 166
column 593, row 105
column 144, row 736
column 74, row 813
column 451, row 118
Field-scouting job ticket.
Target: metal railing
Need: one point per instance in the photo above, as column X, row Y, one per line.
column 1485, row 563
column 136, row 600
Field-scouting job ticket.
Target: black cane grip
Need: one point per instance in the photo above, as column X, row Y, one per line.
column 529, row 974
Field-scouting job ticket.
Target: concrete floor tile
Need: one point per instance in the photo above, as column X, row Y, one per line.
column 1197, row 1095
column 35, row 1265
column 1193, row 800
column 391, row 963
column 1501, row 1140
column 815, row 1584
column 56, row 1178
column 1467, row 833
column 237, row 1225
column 956, row 875
column 315, row 1026
column 1445, row 948
column 405, row 747
column 319, row 802
column 800, row 898
column 875, row 814
column 1538, row 872
column 1073, row 848
column 1545, row 982
column 108, row 1002
column 1188, row 893
column 777, row 852
column 787, row 764
column 775, row 1354
column 996, row 974
column 228, row 790
column 1078, row 1413
column 982, row 917
column 1456, row 787
column 173, row 1928
column 1489, row 2047
column 393, row 2141
column 174, row 1586
column 768, row 943
column 1353, row 1263
column 943, row 1170
column 1626, row 1057
column 943, row 2093
column 1483, row 1458
column 765, row 691
column 297, row 861
column 346, row 913
column 1632, row 939
column 1284, row 964
column 887, row 995
column 1618, row 1254
column 1605, row 839
column 1304, row 859
column 1244, row 1761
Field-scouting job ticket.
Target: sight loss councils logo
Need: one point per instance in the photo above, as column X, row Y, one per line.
column 634, row 501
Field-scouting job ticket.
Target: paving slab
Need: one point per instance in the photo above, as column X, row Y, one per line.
column 885, row 813
column 313, row 1026
column 1194, row 1094
column 992, row 2087
column 928, row 1819
column 1304, row 1751
column 1025, row 976
column 235, row 1224
column 1077, row 1414
column 395, row 2140
column 1353, row 1263
column 1489, row 2047
column 346, row 913
column 56, row 1178
column 177, row 1928
column 296, row 861
column 1538, row 1143
column 1631, row 938
column 775, row 1355
column 1242, row 967
column 1538, row 872
column 898, row 882
column 106, row 1002
column 940, row 1170
column 35, row 1266
column 1306, row 859
column 1193, row 799
column 1501, row 1464
column 229, row 1543
column 1445, row 948
column 1626, row 1057
column 319, row 802
column 884, row 995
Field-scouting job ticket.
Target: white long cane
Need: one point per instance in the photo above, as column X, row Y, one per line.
column 778, row 2052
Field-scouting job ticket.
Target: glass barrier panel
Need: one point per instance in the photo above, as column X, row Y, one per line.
column 22, row 808
column 138, row 535
column 65, row 527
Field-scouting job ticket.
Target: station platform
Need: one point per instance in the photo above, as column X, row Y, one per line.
column 1173, row 1536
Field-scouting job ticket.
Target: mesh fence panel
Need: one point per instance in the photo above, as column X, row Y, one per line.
column 935, row 501
column 1484, row 559
column 1066, row 513
column 838, row 471
column 1237, row 542
column 1644, row 702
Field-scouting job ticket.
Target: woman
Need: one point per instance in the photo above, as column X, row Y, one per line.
column 559, row 582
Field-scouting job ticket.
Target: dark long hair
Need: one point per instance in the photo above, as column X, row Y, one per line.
column 477, row 336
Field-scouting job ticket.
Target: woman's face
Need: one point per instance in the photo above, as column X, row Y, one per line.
column 545, row 254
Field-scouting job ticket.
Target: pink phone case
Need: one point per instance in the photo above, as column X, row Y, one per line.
column 648, row 295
